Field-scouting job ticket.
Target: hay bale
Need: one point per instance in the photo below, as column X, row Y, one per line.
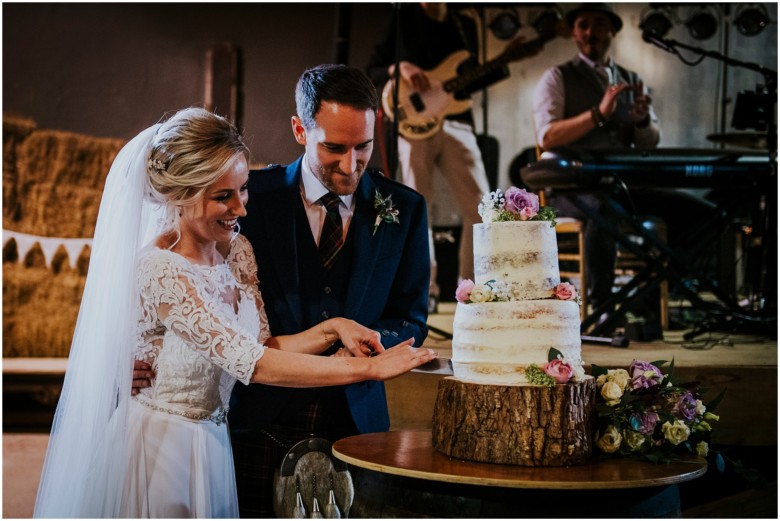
column 52, row 185
column 15, row 130
column 40, row 308
column 61, row 175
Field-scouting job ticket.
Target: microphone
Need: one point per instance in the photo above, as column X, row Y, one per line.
column 649, row 36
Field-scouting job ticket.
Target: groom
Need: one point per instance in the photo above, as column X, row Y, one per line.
column 377, row 272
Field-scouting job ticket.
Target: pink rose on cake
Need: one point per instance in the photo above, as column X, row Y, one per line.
column 463, row 293
column 522, row 203
column 559, row 370
column 565, row 291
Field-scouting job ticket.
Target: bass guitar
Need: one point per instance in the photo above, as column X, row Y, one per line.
column 421, row 114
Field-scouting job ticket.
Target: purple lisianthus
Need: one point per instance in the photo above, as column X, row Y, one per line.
column 521, row 203
column 644, row 422
column 685, row 408
column 644, row 375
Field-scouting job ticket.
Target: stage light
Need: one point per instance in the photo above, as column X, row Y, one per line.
column 702, row 24
column 505, row 24
column 547, row 22
column 656, row 21
column 751, row 19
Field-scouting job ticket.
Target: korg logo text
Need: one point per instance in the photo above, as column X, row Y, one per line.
column 698, row 170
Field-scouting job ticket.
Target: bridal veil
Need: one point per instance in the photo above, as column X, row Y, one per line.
column 85, row 462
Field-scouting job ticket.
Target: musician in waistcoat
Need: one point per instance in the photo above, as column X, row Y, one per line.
column 375, row 272
column 592, row 102
column 436, row 128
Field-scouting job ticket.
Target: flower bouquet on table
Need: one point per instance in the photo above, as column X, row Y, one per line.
column 645, row 413
column 516, row 204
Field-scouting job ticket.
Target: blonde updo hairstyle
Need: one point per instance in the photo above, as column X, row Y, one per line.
column 189, row 152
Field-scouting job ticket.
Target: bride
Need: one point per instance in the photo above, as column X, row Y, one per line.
column 171, row 282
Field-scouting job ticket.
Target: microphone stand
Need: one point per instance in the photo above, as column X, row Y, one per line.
column 392, row 143
column 671, row 46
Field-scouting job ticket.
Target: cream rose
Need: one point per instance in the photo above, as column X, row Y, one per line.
column 702, row 449
column 676, row 432
column 610, row 441
column 612, row 393
column 480, row 293
column 632, row 439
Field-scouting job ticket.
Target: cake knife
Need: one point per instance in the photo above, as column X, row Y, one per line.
column 436, row 366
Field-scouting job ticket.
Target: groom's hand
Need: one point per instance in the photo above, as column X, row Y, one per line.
column 142, row 376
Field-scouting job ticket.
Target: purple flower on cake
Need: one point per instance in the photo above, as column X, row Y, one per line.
column 463, row 293
column 565, row 291
column 522, row 203
column 559, row 370
column 644, row 375
column 516, row 204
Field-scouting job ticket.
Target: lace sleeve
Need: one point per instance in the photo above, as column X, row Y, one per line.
column 243, row 264
column 170, row 295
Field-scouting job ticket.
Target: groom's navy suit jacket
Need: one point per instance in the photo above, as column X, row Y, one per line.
column 386, row 287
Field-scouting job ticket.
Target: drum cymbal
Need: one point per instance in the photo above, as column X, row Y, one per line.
column 755, row 140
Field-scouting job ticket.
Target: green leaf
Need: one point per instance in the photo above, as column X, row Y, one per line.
column 553, row 354
column 716, row 401
column 597, row 370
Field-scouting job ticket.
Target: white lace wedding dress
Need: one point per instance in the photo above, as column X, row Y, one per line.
column 202, row 330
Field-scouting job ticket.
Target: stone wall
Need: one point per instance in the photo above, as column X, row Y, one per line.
column 52, row 184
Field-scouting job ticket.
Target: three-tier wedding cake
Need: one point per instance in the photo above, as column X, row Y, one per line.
column 519, row 394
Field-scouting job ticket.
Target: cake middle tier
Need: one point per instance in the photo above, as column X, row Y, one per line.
column 494, row 342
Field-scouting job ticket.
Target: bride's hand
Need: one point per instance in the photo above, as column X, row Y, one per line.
column 399, row 359
column 359, row 340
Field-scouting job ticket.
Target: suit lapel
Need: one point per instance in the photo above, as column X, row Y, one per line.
column 280, row 207
column 366, row 246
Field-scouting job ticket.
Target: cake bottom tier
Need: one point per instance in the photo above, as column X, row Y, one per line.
column 526, row 425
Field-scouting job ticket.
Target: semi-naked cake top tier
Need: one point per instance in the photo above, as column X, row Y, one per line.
column 523, row 254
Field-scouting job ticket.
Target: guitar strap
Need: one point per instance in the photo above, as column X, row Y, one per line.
column 459, row 26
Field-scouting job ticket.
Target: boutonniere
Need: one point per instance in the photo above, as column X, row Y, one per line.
column 386, row 211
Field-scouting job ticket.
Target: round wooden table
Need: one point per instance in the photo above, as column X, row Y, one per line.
column 400, row 473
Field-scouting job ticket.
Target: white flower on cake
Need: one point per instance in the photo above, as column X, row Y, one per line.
column 499, row 291
column 516, row 204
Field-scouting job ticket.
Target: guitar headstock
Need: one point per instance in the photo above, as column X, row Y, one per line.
column 548, row 25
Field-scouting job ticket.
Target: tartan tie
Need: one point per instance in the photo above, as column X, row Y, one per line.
column 332, row 236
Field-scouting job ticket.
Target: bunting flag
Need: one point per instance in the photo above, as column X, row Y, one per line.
column 49, row 245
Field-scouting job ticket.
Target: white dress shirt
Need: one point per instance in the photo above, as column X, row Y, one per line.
column 311, row 191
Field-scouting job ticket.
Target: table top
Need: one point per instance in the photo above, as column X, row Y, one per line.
column 411, row 454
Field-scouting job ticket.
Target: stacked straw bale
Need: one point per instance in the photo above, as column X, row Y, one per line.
column 52, row 184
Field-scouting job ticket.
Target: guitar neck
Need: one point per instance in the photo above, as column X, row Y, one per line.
column 463, row 81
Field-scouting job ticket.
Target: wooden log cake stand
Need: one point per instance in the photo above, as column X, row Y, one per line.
column 528, row 425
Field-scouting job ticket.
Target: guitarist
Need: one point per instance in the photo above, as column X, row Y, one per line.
column 429, row 34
